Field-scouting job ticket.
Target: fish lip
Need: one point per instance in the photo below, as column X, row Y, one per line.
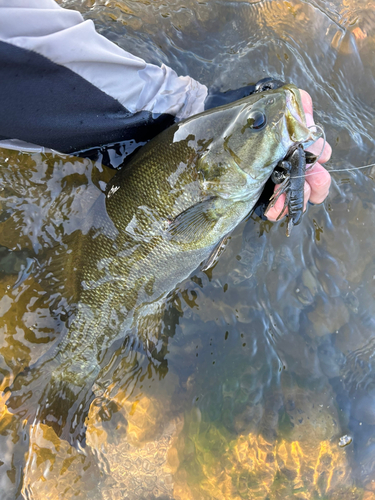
column 292, row 108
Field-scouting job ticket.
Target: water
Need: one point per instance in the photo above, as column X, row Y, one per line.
column 264, row 387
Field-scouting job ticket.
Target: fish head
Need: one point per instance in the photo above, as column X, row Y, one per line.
column 255, row 134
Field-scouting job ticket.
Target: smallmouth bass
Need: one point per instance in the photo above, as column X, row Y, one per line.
column 163, row 214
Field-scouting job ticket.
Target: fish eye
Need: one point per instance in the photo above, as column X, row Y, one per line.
column 258, row 120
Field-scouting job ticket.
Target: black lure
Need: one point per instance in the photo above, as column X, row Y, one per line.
column 290, row 174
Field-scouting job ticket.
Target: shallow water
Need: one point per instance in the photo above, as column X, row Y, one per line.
column 267, row 360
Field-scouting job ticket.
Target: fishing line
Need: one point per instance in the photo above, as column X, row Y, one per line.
column 319, row 127
column 334, row 170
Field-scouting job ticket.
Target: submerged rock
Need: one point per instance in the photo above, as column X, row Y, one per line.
column 294, row 452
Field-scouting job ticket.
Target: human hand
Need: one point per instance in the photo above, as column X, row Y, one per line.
column 316, row 185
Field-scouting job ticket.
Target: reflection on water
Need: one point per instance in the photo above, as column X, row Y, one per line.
column 267, row 360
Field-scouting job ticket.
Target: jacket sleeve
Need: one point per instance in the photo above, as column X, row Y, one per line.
column 65, row 87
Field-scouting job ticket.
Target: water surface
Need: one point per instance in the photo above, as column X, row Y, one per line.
column 264, row 387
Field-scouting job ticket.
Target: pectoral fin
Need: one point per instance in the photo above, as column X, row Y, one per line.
column 193, row 224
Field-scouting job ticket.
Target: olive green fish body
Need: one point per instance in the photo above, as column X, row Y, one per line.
column 186, row 189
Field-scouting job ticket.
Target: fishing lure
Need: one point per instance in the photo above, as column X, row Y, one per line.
column 290, row 175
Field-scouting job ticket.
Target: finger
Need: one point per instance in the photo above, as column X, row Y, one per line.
column 315, row 148
column 319, row 180
column 306, row 102
column 275, row 211
column 306, row 194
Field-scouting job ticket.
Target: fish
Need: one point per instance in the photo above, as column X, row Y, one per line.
column 165, row 213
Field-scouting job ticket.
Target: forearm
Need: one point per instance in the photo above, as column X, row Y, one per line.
column 66, row 87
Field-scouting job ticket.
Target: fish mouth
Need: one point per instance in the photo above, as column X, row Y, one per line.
column 294, row 104
column 295, row 118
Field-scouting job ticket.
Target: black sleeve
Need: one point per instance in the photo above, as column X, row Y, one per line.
column 44, row 103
